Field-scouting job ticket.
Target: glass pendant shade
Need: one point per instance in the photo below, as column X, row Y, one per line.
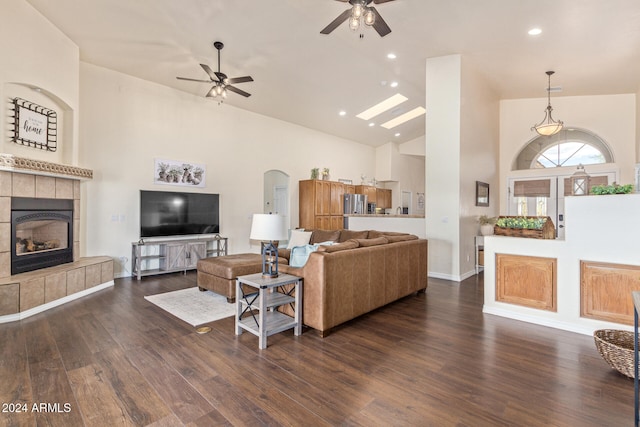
column 548, row 126
column 354, row 23
column 369, row 17
column 356, row 11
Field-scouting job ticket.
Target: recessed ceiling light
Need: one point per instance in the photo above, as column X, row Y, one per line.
column 343, row 113
column 394, row 84
column 535, row 31
column 383, row 106
column 416, row 112
column 391, row 56
column 397, row 134
column 371, row 124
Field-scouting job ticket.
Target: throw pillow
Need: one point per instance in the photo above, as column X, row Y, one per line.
column 352, row 234
column 325, row 236
column 299, row 238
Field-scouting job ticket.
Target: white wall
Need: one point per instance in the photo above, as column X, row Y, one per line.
column 461, row 148
column 35, row 54
column 127, row 122
column 612, row 117
column 400, row 172
column 479, row 147
column 442, row 140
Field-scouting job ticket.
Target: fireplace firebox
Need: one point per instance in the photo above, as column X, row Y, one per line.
column 41, row 233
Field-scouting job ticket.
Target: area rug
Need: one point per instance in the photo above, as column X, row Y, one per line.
column 193, row 306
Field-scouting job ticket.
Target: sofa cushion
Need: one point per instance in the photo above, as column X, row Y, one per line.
column 299, row 238
column 352, row 234
column 401, row 238
column 319, row 236
column 363, row 243
column 375, row 233
column 351, row 244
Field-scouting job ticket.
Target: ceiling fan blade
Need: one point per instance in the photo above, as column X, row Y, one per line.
column 235, row 80
column 193, row 80
column 209, row 71
column 379, row 25
column 381, row 1
column 238, row 91
column 336, row 22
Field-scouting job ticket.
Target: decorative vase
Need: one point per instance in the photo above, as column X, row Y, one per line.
column 486, row 229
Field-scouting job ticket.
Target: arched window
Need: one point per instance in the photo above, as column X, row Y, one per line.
column 568, row 147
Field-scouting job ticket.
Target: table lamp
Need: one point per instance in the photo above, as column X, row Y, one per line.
column 269, row 229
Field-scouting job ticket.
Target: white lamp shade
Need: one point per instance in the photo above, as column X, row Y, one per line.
column 268, row 227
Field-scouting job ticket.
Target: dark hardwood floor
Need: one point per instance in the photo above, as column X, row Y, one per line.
column 434, row 359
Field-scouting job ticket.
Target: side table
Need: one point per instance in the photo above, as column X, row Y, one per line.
column 269, row 294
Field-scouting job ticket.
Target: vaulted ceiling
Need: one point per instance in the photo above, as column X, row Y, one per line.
column 307, row 78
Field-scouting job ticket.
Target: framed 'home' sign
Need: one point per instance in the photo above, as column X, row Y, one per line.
column 34, row 125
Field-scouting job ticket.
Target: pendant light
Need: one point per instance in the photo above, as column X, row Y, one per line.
column 548, row 126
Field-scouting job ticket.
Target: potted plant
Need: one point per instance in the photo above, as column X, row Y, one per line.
column 486, row 224
column 325, row 174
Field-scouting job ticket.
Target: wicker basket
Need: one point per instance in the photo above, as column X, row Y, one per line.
column 616, row 348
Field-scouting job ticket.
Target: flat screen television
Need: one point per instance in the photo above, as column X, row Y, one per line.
column 168, row 213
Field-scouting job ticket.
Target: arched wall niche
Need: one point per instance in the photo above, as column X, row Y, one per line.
column 65, row 123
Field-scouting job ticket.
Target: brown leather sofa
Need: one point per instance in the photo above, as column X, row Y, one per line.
column 365, row 270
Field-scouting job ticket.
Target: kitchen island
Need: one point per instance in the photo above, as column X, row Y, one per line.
column 413, row 224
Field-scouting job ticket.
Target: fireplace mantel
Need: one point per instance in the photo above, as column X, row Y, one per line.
column 9, row 162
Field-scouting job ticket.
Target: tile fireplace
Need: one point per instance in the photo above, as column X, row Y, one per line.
column 41, row 233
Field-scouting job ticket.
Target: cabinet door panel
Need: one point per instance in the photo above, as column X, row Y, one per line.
column 605, row 291
column 337, row 222
column 527, row 281
column 323, row 197
column 196, row 251
column 176, row 256
column 337, row 198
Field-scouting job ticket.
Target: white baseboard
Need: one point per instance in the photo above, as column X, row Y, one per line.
column 44, row 307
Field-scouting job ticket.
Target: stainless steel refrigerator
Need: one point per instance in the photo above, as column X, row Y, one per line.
column 354, row 204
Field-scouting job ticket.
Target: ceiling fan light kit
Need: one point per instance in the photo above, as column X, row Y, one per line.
column 221, row 83
column 548, row 126
column 360, row 11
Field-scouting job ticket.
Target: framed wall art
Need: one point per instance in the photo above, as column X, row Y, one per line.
column 34, row 125
column 179, row 173
column 482, row 194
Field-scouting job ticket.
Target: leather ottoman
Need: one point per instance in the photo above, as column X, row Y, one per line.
column 218, row 274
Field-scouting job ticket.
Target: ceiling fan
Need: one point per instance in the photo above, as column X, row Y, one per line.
column 360, row 9
column 221, row 83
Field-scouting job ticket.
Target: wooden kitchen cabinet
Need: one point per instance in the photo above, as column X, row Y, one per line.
column 383, row 198
column 321, row 204
column 369, row 191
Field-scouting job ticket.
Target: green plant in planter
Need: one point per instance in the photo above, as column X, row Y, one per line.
column 611, row 189
column 487, row 220
column 521, row 222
